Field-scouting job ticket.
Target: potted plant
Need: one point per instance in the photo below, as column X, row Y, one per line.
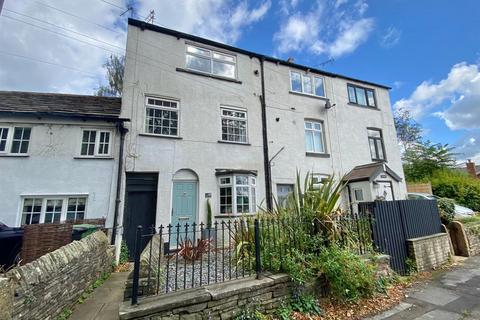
column 209, row 230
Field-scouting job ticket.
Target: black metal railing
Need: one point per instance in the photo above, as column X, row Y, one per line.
column 183, row 256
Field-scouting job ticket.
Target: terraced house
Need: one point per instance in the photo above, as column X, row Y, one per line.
column 58, row 157
column 212, row 122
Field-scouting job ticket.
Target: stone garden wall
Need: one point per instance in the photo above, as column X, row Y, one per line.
column 430, row 252
column 216, row 301
column 43, row 288
column 473, row 238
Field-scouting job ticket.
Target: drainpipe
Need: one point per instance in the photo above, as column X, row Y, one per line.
column 266, row 160
column 123, row 131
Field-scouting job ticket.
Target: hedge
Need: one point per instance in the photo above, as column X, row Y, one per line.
column 457, row 185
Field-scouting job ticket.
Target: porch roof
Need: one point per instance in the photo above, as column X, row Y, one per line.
column 370, row 171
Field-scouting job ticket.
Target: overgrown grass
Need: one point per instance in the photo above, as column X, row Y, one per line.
column 470, row 220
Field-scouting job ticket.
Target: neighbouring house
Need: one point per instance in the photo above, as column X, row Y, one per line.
column 214, row 122
column 59, row 157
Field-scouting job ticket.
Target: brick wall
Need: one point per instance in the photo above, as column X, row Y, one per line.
column 420, row 187
column 429, row 252
column 56, row 280
column 216, row 301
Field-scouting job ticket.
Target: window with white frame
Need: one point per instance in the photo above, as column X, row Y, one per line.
column 314, row 136
column 53, row 209
column 318, row 179
column 307, row 83
column 96, row 143
column 234, row 125
column 14, row 140
column 237, row 194
column 161, row 117
column 210, row 61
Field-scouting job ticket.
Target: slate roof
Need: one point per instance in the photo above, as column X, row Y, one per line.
column 370, row 171
column 16, row 102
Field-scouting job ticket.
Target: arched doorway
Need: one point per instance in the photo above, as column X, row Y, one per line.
column 184, row 197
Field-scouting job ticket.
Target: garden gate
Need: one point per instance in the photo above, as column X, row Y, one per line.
column 393, row 222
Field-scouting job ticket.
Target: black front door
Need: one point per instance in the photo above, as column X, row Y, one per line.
column 140, row 206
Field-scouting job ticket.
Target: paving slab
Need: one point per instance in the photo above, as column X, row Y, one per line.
column 440, row 315
column 435, row 295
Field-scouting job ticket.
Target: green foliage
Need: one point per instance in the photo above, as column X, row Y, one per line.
column 306, row 304
column 250, row 312
column 411, row 266
column 115, row 67
column 446, row 207
column 459, row 186
column 65, row 314
column 423, row 159
column 470, row 220
column 349, row 276
column 209, row 214
column 409, row 132
column 123, row 253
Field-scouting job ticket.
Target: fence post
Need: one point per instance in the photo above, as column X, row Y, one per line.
column 258, row 263
column 136, row 268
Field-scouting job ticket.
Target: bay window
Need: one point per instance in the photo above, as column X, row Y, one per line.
column 237, row 194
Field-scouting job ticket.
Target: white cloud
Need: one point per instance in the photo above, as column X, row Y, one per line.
column 221, row 20
column 20, row 39
column 390, row 38
column 325, row 28
column 458, row 95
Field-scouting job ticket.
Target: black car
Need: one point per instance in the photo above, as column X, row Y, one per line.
column 10, row 245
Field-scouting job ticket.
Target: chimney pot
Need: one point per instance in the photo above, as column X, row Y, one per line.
column 472, row 171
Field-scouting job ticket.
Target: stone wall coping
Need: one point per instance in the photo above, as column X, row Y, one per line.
column 213, row 292
column 436, row 235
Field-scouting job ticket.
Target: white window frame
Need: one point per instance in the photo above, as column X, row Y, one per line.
column 45, row 198
column 212, row 59
column 323, row 138
column 96, row 154
column 317, row 179
column 312, row 79
column 235, row 109
column 9, row 141
column 153, row 106
column 252, row 193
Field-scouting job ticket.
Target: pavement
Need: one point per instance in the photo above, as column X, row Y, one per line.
column 104, row 302
column 452, row 295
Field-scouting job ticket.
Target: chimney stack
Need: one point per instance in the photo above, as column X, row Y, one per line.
column 471, row 168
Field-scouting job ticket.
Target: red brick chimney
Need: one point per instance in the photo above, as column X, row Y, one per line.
column 471, row 168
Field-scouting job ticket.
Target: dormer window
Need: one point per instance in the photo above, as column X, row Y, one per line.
column 211, row 62
column 307, row 84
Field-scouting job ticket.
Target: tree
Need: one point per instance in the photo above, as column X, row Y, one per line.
column 115, row 66
column 409, row 131
column 422, row 159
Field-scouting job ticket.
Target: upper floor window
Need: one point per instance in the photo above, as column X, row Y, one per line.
column 306, row 83
column 237, row 194
column 96, row 143
column 14, row 140
column 234, row 125
column 210, row 61
column 161, row 117
column 314, row 136
column 361, row 96
column 37, row 210
column 375, row 139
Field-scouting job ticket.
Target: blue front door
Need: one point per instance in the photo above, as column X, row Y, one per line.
column 184, row 207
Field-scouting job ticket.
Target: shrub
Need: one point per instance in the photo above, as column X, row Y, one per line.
column 123, row 253
column 446, row 207
column 459, row 186
column 348, row 276
column 306, row 304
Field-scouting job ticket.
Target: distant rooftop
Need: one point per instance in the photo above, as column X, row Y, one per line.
column 144, row 25
column 17, row 102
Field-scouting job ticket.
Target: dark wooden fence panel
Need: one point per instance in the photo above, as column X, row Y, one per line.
column 393, row 222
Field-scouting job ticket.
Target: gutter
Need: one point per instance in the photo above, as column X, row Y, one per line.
column 266, row 158
column 123, row 131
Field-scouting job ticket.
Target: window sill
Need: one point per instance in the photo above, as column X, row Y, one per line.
column 308, row 95
column 318, row 155
column 363, row 106
column 159, row 136
column 198, row 73
column 93, row 158
column 14, row 155
column 233, row 142
column 234, row 215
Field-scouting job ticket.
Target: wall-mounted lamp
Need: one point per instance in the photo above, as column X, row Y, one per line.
column 328, row 105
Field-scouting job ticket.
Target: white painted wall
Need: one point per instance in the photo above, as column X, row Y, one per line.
column 52, row 169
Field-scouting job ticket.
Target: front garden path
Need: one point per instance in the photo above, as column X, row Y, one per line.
column 452, row 295
column 104, row 302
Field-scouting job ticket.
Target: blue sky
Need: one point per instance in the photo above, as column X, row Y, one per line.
column 427, row 51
